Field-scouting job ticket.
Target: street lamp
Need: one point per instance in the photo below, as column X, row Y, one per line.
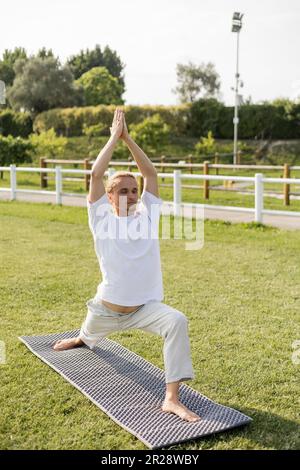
column 236, row 27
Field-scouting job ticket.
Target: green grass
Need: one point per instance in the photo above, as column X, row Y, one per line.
column 240, row 294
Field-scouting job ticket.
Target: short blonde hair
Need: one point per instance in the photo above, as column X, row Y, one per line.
column 113, row 180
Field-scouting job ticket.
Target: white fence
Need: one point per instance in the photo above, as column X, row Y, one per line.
column 258, row 180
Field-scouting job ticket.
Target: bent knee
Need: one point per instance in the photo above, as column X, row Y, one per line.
column 178, row 318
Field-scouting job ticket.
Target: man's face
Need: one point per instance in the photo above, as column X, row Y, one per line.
column 127, row 189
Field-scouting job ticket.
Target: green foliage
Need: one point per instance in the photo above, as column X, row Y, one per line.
column 194, row 80
column 41, row 84
column 259, row 121
column 88, row 59
column 99, row 87
column 188, row 120
column 44, row 53
column 15, row 150
column 151, row 134
column 9, row 58
column 204, row 116
column 206, row 145
column 15, row 124
column 47, row 144
column 98, row 130
column 71, row 121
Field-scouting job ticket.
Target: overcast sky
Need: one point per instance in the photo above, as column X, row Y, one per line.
column 152, row 36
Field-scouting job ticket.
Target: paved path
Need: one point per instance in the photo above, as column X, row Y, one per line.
column 241, row 188
column 284, row 222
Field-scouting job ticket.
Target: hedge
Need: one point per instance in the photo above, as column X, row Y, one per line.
column 15, row 124
column 15, row 150
column 70, row 121
column 194, row 120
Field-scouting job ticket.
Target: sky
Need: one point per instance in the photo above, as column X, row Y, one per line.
column 152, row 36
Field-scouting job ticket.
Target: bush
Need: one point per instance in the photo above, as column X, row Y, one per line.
column 98, row 130
column 15, row 124
column 151, row 134
column 206, row 145
column 47, row 144
column 255, row 120
column 204, row 117
column 259, row 120
column 15, row 150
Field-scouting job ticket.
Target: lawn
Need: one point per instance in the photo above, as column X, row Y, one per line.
column 240, row 293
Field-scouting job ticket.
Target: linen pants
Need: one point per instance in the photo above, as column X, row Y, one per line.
column 154, row 317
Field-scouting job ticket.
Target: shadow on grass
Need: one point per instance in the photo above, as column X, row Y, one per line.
column 266, row 431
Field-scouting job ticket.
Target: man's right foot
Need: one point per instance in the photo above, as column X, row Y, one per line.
column 170, row 406
column 69, row 343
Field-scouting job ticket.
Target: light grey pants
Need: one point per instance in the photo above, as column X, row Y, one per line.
column 154, row 317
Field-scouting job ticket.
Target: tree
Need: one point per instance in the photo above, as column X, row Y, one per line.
column 196, row 80
column 9, row 58
column 99, row 87
column 43, row 84
column 88, row 59
column 44, row 53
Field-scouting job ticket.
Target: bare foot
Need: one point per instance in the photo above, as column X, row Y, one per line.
column 69, row 343
column 179, row 409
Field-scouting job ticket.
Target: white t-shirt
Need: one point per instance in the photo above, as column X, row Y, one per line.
column 128, row 251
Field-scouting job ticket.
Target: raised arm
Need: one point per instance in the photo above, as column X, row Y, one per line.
column 97, row 188
column 144, row 164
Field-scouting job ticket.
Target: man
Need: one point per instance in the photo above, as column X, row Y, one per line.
column 131, row 292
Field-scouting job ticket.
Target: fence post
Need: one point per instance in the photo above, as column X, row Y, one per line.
column 216, row 162
column 176, row 192
column 58, row 184
column 190, row 156
column 162, row 160
column 13, row 182
column 43, row 164
column 130, row 167
column 259, row 196
column 238, row 157
column 87, row 166
column 206, row 182
column 286, row 187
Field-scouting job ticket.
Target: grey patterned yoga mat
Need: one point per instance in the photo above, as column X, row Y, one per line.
column 130, row 390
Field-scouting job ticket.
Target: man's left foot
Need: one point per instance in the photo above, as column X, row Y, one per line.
column 180, row 410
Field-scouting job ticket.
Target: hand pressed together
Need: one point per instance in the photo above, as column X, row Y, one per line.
column 119, row 126
column 116, row 128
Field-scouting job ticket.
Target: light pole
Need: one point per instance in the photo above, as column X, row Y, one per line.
column 236, row 27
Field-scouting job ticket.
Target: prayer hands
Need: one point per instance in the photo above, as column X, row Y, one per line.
column 116, row 128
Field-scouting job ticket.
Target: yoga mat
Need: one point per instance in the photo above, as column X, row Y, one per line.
column 130, row 390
